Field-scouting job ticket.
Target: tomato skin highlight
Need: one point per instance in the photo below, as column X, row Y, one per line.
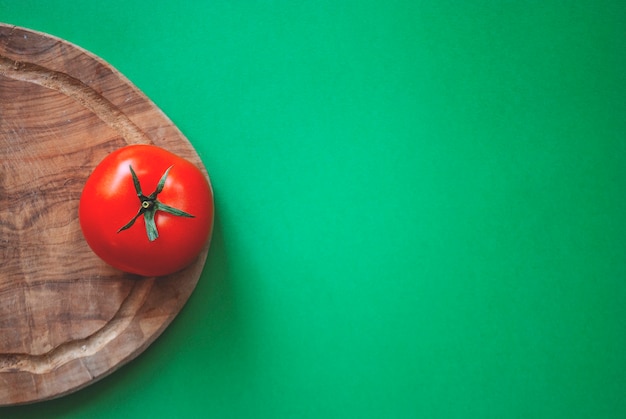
column 109, row 201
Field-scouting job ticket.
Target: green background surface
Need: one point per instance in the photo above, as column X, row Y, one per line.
column 420, row 206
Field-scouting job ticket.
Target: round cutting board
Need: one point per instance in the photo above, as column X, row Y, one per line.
column 66, row 318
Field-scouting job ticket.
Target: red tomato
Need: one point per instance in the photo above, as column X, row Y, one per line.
column 181, row 208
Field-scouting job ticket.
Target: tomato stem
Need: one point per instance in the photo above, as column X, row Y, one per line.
column 149, row 205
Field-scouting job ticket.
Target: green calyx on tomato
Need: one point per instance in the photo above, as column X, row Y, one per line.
column 150, row 205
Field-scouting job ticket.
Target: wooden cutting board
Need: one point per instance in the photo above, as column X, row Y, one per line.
column 66, row 318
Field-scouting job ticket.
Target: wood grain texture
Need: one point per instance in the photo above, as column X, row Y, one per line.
column 66, row 318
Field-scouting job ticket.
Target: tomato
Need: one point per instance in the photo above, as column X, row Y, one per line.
column 146, row 211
